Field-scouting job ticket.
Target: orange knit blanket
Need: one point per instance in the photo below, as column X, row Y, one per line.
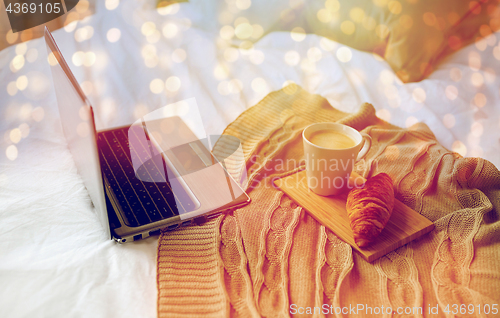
column 270, row 258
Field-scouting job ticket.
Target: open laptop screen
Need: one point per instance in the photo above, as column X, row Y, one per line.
column 78, row 127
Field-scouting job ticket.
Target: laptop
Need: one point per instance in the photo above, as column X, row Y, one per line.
column 152, row 175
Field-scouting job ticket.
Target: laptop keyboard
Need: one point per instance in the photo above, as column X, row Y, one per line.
column 144, row 195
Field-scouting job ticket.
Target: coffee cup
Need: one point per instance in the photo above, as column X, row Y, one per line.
column 330, row 151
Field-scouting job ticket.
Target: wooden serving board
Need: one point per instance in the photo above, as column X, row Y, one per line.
column 404, row 225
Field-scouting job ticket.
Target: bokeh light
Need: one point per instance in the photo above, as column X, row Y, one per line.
column 332, row 5
column 327, row 44
column 314, row 54
column 459, row 148
column 148, row 28
column 344, row 54
column 292, row 58
column 243, row 31
column 386, row 77
column 140, row 110
column 298, row 34
column 449, row 120
column 179, row 55
column 156, row 86
column 112, row 4
column 83, row 129
column 481, row 44
column 477, row 79
column 243, row 4
column 380, row 3
column 84, row 33
column 32, row 55
column 26, row 35
column 12, row 88
column 455, row 74
column 257, row 57
column 451, row 92
column 477, row 129
column 259, row 85
column 168, row 8
column 347, row 27
column 223, row 88
column 240, row 20
column 496, row 52
column 71, row 21
column 11, row 37
column 78, row 58
column 258, row 31
column 113, row 35
column 480, row 100
column 395, row 7
column 231, row 54
column 472, row 140
column 419, row 95
column 15, row 135
column 84, row 113
column 89, row 59
column 357, row 14
column 391, row 92
column 169, row 30
column 52, row 59
column 429, row 18
column 37, row 114
column 173, row 84
column 82, row 6
column 369, row 23
column 148, row 52
column 154, row 37
column 357, row 76
column 476, row 151
column 233, row 86
column 17, row 63
column 21, row 48
column 87, row 87
column 410, row 121
column 25, row 111
column 406, row 21
column 382, row 31
column 225, row 17
column 226, row 32
column 11, row 152
column 391, row 152
column 25, row 130
column 221, row 72
column 245, row 47
column 453, row 17
column 489, row 75
column 324, row 15
column 474, row 61
column 22, row 82
column 289, row 87
column 384, row 114
column 307, row 65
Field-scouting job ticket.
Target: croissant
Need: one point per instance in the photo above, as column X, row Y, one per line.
column 369, row 208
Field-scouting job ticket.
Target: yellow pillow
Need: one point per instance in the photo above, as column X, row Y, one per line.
column 412, row 35
column 164, row 3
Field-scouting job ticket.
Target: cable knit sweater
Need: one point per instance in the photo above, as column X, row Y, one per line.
column 270, row 258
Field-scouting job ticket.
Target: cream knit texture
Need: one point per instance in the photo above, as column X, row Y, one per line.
column 271, row 258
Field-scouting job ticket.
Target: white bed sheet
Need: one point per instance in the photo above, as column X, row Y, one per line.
column 54, row 258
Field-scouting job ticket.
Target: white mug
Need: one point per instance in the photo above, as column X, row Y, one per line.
column 328, row 169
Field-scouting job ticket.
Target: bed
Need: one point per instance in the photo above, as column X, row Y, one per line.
column 131, row 59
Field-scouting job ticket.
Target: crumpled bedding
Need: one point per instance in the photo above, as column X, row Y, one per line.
column 54, row 258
